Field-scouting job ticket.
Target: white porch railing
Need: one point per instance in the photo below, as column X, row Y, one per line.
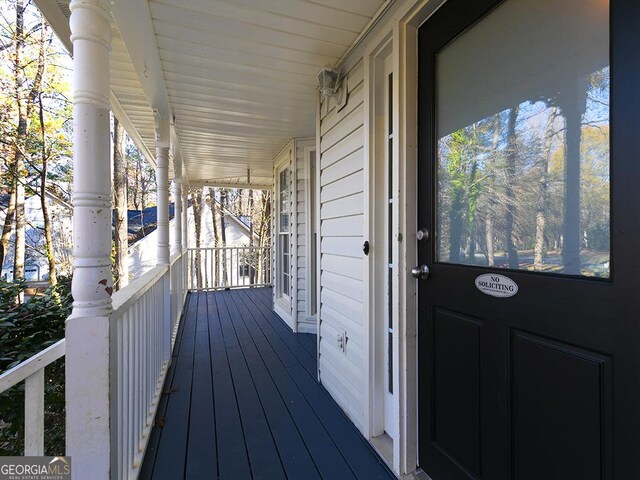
column 32, row 372
column 214, row 268
column 178, row 292
column 144, row 322
column 143, row 326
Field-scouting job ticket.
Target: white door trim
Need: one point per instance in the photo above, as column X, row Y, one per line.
column 283, row 302
column 374, row 285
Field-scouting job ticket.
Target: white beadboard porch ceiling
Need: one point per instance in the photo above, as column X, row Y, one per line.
column 240, row 75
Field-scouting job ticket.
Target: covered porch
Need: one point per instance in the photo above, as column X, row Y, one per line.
column 241, row 400
column 228, row 95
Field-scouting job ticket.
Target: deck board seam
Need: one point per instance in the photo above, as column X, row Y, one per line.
column 315, row 413
column 330, row 399
column 193, row 361
column 235, row 393
column 289, row 332
column 256, row 389
column 280, row 394
column 213, row 393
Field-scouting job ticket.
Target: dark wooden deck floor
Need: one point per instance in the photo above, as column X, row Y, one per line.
column 242, row 401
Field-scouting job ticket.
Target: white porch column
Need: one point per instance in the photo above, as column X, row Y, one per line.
column 162, row 180
column 87, row 331
column 177, row 199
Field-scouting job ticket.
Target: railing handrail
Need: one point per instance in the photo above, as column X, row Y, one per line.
column 31, row 365
column 122, row 299
column 236, row 247
column 175, row 257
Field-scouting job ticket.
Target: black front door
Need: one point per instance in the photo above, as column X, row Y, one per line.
column 529, row 185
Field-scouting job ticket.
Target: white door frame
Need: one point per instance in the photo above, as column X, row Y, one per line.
column 377, row 232
column 405, row 34
column 283, row 302
column 401, row 29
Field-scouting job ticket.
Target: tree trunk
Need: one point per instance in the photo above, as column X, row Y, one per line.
column 264, row 238
column 543, row 193
column 223, row 233
column 136, row 187
column 216, row 235
column 24, row 110
column 252, row 258
column 490, row 218
column 473, row 191
column 21, row 137
column 491, row 261
column 120, row 207
column 8, row 222
column 512, row 156
column 456, row 224
column 197, row 220
column 48, row 243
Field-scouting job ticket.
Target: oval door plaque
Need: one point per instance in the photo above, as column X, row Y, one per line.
column 496, row 285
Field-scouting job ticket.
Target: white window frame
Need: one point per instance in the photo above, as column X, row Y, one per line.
column 280, row 273
column 285, row 303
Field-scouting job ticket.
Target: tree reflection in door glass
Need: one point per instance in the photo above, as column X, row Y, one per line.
column 504, row 183
column 523, row 140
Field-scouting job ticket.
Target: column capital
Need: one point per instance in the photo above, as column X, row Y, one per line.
column 162, row 129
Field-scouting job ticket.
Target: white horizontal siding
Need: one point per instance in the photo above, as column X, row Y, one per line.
column 341, row 239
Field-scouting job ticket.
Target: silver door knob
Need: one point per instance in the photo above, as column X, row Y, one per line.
column 421, row 272
column 422, row 234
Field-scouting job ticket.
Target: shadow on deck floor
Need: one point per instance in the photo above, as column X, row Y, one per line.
column 241, row 401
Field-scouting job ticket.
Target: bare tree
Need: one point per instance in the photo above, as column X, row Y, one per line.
column 48, row 240
column 223, row 232
column 216, row 234
column 9, row 218
column 120, row 207
column 490, row 215
column 196, row 195
column 543, row 194
column 25, row 105
column 511, row 178
column 264, row 228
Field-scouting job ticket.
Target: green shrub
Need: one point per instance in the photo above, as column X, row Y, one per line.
column 26, row 329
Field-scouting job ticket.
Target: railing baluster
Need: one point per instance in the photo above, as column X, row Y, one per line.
column 34, row 414
column 245, row 266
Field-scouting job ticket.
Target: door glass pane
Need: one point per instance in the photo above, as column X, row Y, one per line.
column 284, row 200
column 523, row 140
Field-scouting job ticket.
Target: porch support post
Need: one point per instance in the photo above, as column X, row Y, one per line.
column 162, row 180
column 177, row 198
column 87, row 367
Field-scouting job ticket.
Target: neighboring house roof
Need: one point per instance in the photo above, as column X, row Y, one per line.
column 145, row 218
column 243, row 222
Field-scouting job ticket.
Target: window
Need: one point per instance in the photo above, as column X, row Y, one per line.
column 283, row 265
